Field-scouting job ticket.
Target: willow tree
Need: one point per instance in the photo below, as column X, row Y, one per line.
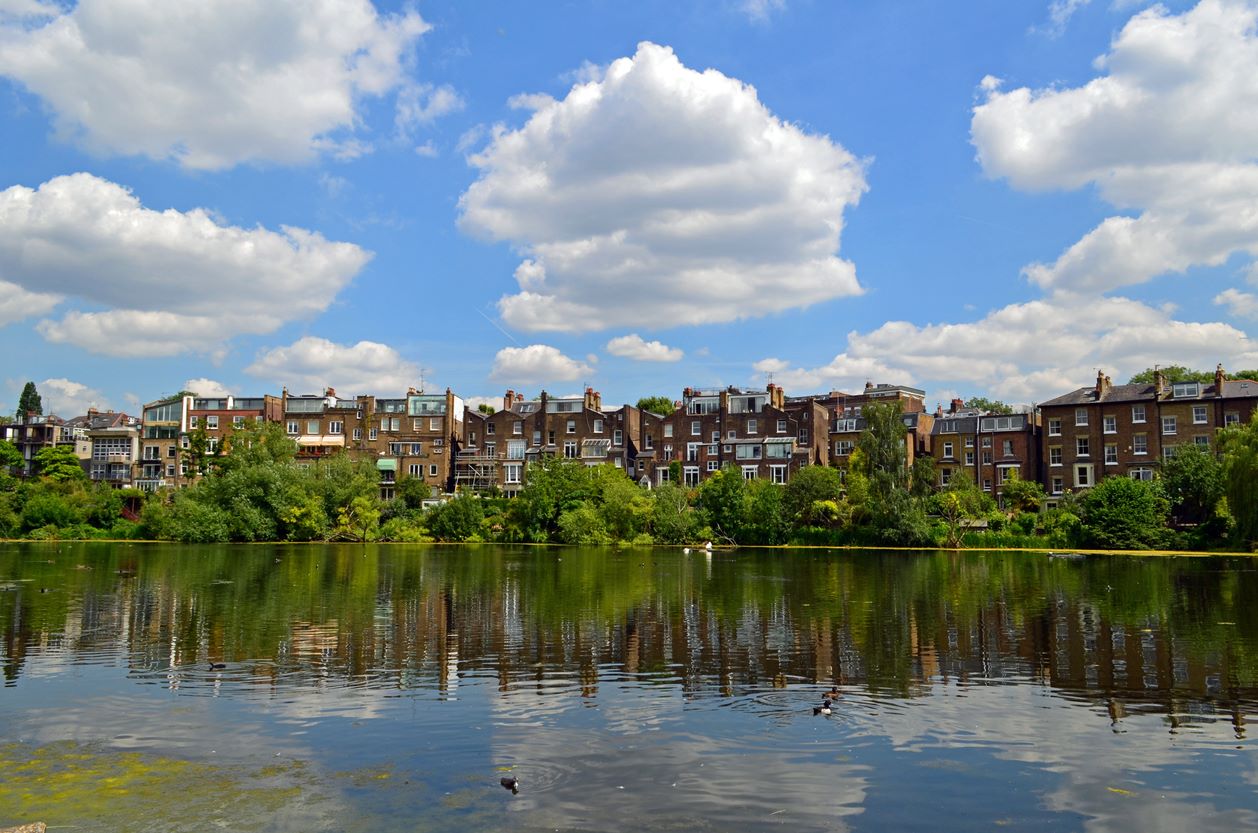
column 1240, row 478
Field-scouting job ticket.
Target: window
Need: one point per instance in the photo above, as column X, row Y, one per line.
column 1081, row 416
column 312, row 426
column 432, row 469
column 750, row 472
column 781, row 428
column 211, row 446
column 1054, row 428
column 716, row 436
column 171, row 451
column 358, row 433
column 987, row 457
column 194, row 421
column 550, row 437
column 490, row 429
column 336, row 427
column 396, row 448
column 1057, row 485
column 650, row 442
column 668, row 450
column 618, row 437
column 714, row 449
column 969, row 442
column 751, row 426
column 170, row 470
column 1006, row 448
column 1141, row 473
column 714, row 465
column 690, row 476
column 1054, row 456
column 211, row 422
column 152, row 452
column 396, row 424
column 570, row 449
column 1083, row 475
column 513, row 471
column 969, row 458
column 1139, row 444
column 803, row 436
column 570, row 426
column 731, row 434
column 515, row 449
column 491, row 449
column 292, row 426
column 945, row 477
column 537, row 438
column 1137, row 413
column 238, row 422
column 842, row 448
column 598, row 426
column 517, row 427
column 1081, row 447
column 371, row 434
column 947, row 451
column 1202, row 441
column 1168, row 451
column 1110, row 424
column 1111, row 454
column 668, row 429
column 987, row 441
column 777, row 474
column 696, row 428
column 416, row 449
column 1168, row 425
column 1185, row 390
column 1198, row 414
column 416, row 469
column 434, row 423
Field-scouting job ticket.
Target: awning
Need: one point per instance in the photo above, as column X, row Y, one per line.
column 386, row 464
column 317, row 439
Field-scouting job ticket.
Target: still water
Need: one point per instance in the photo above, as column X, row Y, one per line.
column 383, row 688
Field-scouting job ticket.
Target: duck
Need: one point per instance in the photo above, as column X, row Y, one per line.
column 824, row 708
column 833, row 693
column 685, row 550
column 510, row 783
column 217, row 666
column 708, row 546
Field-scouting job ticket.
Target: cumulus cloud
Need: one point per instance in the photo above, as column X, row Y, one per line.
column 206, row 387
column 169, row 281
column 419, row 105
column 1059, row 14
column 17, row 303
column 311, row 364
column 67, row 398
column 1024, row 352
column 634, row 347
column 1240, row 304
column 658, row 195
column 759, row 10
column 1169, row 134
column 211, row 85
column 536, row 364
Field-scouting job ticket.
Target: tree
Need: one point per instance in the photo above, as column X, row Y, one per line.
column 1021, row 495
column 765, row 521
column 1120, row 513
column 1239, row 445
column 662, row 405
column 10, row 457
column 722, row 501
column 811, row 485
column 583, row 525
column 882, row 444
column 1173, row 373
column 962, row 501
column 455, row 520
column 30, row 401
column 486, row 408
column 673, row 521
column 922, row 476
column 994, row 406
column 358, row 520
column 1193, row 480
column 59, row 463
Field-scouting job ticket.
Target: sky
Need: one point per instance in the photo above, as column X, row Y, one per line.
column 984, row 198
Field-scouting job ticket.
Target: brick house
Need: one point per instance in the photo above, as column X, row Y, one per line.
column 987, row 446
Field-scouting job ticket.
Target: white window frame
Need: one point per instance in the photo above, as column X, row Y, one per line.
column 1081, row 417
column 1170, row 426
column 1110, row 424
column 1138, row 414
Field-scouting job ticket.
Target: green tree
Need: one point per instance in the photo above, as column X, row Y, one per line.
column 882, row 447
column 624, row 506
column 1173, row 373
column 808, row 487
column 673, row 520
column 455, row 520
column 582, row 524
column 721, row 498
column 552, row 486
column 961, row 502
column 1239, row 445
column 662, row 405
column 486, row 408
column 1193, row 480
column 922, row 476
column 359, row 520
column 1124, row 514
column 30, row 402
column 59, row 463
column 10, row 457
column 765, row 519
column 994, row 406
column 1021, row 495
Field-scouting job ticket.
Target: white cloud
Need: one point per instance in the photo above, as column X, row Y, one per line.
column 169, row 281
column 211, row 85
column 310, row 364
column 67, row 399
column 16, row 303
column 759, row 10
column 419, row 105
column 536, row 364
column 1169, row 134
column 1059, row 14
column 708, row 209
column 1239, row 304
column 206, row 387
column 1024, row 352
column 634, row 347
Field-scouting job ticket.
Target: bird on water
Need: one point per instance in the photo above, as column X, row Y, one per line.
column 824, row 708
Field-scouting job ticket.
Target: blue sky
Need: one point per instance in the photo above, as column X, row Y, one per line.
column 985, row 198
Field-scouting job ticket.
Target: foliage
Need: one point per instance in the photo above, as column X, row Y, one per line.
column 882, row 447
column 625, row 507
column 809, row 487
column 1173, row 373
column 10, row 457
column 1239, row 445
column 1021, row 495
column 922, row 476
column 1193, row 480
column 29, row 402
column 721, row 500
column 765, row 520
column 994, row 406
column 358, row 520
column 1120, row 513
column 455, row 520
column 486, row 408
column 673, row 520
column 59, row 463
column 959, row 504
column 662, row 405
column 583, row 525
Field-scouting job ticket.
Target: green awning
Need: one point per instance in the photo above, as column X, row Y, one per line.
column 386, row 464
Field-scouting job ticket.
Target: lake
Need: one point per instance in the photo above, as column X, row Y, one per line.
column 391, row 688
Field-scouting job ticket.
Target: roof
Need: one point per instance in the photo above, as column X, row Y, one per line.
column 1115, row 393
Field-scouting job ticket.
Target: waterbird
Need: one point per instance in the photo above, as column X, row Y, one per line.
column 833, row 693
column 510, row 783
column 824, row 708
column 215, row 666
column 685, row 550
column 708, row 546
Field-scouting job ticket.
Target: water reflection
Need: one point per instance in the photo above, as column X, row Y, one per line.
column 615, row 680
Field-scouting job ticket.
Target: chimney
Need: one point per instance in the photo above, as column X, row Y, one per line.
column 725, row 401
column 598, row 400
column 868, row 385
column 1218, row 379
column 1159, row 381
column 508, row 400
column 938, row 410
column 588, row 404
column 1102, row 384
column 956, row 405
column 519, row 397
column 411, row 391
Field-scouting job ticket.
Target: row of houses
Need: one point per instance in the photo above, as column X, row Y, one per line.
column 1067, row 443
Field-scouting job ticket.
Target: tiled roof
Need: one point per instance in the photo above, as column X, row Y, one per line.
column 1115, row 393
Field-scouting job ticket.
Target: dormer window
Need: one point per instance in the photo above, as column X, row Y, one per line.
column 1185, row 390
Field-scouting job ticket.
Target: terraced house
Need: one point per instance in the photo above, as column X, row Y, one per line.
column 989, row 447
column 1127, row 430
